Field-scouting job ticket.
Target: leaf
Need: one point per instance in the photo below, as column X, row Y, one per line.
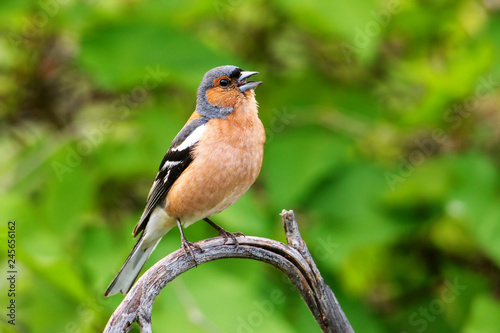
column 484, row 316
column 353, row 215
column 479, row 209
column 67, row 199
column 145, row 55
column 358, row 23
column 296, row 162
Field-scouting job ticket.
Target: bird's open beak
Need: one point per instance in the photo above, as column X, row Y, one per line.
column 243, row 85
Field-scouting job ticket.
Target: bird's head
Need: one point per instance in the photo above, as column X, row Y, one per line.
column 222, row 88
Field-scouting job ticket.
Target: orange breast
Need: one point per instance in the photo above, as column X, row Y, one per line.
column 227, row 160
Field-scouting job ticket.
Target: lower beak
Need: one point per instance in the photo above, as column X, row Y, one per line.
column 243, row 85
column 249, row 85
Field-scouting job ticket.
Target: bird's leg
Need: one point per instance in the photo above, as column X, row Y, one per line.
column 186, row 245
column 224, row 233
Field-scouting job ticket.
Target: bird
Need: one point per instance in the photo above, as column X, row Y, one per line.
column 211, row 163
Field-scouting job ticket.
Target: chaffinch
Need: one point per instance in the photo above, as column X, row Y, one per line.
column 210, row 164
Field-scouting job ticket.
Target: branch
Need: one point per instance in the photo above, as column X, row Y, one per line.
column 293, row 259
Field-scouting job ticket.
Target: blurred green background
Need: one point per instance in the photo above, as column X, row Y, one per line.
column 383, row 135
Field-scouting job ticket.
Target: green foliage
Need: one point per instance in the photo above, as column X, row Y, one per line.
column 382, row 134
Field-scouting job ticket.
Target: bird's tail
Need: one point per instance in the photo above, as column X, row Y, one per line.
column 127, row 275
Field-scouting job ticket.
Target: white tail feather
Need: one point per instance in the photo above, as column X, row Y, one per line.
column 158, row 224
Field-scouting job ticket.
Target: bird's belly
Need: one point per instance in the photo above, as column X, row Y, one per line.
column 222, row 177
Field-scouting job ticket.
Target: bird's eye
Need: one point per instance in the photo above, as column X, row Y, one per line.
column 223, row 83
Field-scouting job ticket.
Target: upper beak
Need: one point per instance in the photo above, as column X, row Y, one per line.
column 243, row 85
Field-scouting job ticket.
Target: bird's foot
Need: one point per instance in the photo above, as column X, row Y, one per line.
column 188, row 246
column 226, row 234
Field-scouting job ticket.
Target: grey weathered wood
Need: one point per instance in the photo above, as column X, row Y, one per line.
column 293, row 259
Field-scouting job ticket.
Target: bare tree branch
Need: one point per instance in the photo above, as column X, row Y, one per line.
column 293, row 259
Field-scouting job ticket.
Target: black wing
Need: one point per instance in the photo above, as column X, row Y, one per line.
column 176, row 160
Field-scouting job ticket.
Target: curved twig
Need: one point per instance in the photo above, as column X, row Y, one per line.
column 293, row 259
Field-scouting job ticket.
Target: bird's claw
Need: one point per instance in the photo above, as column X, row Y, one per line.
column 187, row 246
column 226, row 234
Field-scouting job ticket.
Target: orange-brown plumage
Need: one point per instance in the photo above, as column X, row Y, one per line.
column 226, row 162
column 224, row 97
